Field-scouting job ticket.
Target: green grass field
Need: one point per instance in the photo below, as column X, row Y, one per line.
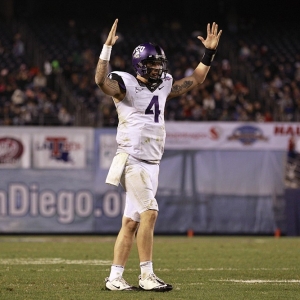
column 74, row 267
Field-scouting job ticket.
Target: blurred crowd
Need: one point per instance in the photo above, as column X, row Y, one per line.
column 28, row 95
column 25, row 99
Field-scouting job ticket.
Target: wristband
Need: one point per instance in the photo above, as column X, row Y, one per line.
column 208, row 56
column 105, row 53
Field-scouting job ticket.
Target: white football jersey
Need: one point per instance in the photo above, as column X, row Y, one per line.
column 141, row 129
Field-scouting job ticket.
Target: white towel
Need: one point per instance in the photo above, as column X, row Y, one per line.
column 116, row 169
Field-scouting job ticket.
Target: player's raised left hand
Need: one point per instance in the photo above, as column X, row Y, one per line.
column 213, row 36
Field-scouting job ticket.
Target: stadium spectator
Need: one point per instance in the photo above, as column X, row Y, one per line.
column 39, row 80
column 64, row 117
column 18, row 47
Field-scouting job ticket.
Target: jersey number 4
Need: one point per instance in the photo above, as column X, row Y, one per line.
column 149, row 109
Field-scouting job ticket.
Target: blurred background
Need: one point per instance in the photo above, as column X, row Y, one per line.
column 249, row 101
column 58, row 44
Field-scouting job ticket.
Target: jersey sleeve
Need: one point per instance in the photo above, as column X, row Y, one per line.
column 119, row 79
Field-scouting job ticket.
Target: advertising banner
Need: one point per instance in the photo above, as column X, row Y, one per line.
column 229, row 135
column 225, row 187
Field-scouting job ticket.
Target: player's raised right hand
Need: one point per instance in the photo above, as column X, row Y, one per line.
column 112, row 37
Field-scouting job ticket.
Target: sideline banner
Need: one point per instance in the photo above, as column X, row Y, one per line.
column 221, row 191
column 229, row 135
column 50, row 199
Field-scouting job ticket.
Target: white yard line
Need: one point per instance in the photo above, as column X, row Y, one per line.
column 52, row 261
column 55, row 261
column 252, row 281
column 235, row 269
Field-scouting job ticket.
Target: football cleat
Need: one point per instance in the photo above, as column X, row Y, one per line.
column 153, row 283
column 119, row 284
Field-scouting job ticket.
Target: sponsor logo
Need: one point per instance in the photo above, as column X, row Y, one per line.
column 215, row 132
column 11, row 150
column 247, row 135
column 59, row 148
column 117, row 287
column 138, row 89
column 286, row 130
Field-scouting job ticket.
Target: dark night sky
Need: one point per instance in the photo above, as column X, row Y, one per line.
column 191, row 14
column 264, row 11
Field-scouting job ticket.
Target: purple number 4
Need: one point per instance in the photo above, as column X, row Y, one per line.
column 149, row 110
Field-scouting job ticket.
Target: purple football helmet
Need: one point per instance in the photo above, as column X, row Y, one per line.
column 145, row 53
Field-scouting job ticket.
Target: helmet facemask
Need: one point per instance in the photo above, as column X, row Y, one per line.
column 153, row 69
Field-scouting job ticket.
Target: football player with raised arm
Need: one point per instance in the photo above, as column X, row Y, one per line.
column 140, row 102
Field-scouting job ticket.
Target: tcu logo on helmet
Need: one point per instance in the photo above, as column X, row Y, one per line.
column 137, row 51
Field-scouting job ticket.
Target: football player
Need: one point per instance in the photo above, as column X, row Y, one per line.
column 140, row 101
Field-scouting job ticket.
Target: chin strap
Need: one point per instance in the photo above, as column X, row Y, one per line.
column 152, row 80
column 154, row 85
